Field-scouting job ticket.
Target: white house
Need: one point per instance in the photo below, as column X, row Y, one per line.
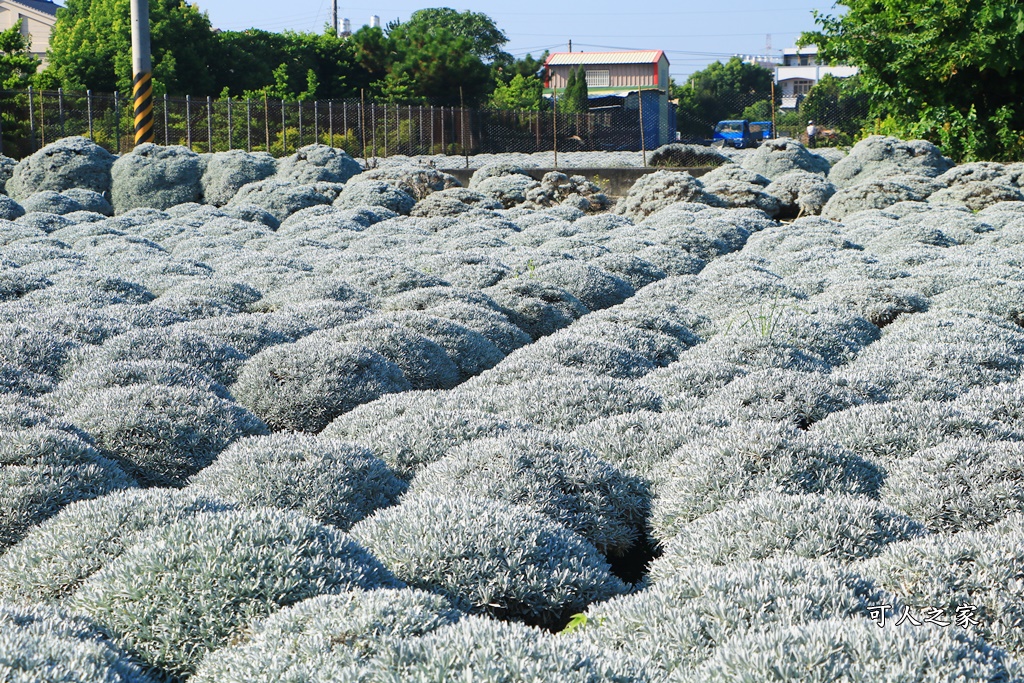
column 800, row 70
column 37, row 20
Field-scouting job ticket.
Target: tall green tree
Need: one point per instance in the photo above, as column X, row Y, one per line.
column 90, row 47
column 951, row 72
column 428, row 64
column 840, row 104
column 720, row 91
column 576, row 98
column 485, row 38
column 522, row 92
column 17, row 66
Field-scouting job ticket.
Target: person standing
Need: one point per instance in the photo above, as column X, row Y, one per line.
column 812, row 134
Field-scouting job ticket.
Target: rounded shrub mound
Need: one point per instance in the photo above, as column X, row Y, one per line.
column 660, row 349
column 375, row 193
column 536, row 307
column 280, row 198
column 90, row 201
column 487, row 651
column 333, row 482
column 79, row 385
column 318, row 163
column 305, row 385
column 48, row 201
column 842, row 528
column 951, row 573
column 321, row 635
column 424, row 363
column 176, row 345
column 56, row 556
column 549, row 474
column 776, row 157
column 578, row 351
column 494, row 326
column 717, row 469
column 159, row 434
column 891, row 431
column 680, row 621
column 682, row 156
column 44, row 469
column 410, row 441
column 800, row 398
column 227, row 172
column 594, row 287
column 655, row 191
column 37, row 351
column 489, row 557
column 855, row 649
column 68, row 163
column 801, row 193
column 156, row 177
column 419, row 181
column 42, row 645
column 561, row 400
column 471, row 351
column 192, row 586
column 1003, row 403
column 877, row 156
column 960, row 484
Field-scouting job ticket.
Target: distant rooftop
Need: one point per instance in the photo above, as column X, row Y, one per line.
column 622, row 57
column 44, row 6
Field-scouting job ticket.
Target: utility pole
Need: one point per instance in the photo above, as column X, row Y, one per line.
column 334, row 17
column 142, row 72
column 570, row 45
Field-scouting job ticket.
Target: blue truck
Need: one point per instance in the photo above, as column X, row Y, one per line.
column 741, row 134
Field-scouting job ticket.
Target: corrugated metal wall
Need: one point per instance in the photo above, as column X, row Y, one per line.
column 620, row 75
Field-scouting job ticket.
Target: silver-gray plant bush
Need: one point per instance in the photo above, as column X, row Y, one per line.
column 840, row 527
column 190, row 587
column 855, row 649
column 316, row 639
column 682, row 620
column 304, row 385
column 45, row 469
column 68, row 163
column 318, row 163
column 489, row 557
column 548, row 474
column 162, row 434
column 157, row 177
column 227, row 172
column 44, row 645
column 331, row 481
column 56, row 556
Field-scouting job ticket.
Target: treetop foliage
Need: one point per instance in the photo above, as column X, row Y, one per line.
column 950, row 72
column 17, row 66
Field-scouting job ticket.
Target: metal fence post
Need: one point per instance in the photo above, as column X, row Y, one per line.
column 60, row 108
column 284, row 131
column 188, row 120
column 209, row 124
column 88, row 112
column 32, row 117
column 362, row 119
column 266, row 119
column 385, row 131
column 373, row 128
column 443, row 149
column 299, row 143
column 431, row 129
column 230, row 131
column 421, row 129
column 316, row 122
column 330, row 120
column 117, row 120
column 167, row 121
column 554, row 124
column 248, row 124
column 42, row 118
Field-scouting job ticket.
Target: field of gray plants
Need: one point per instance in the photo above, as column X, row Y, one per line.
column 298, row 420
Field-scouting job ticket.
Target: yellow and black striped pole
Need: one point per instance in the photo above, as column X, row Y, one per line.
column 142, row 72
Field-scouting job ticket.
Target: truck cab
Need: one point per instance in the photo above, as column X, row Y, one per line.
column 734, row 133
column 761, row 130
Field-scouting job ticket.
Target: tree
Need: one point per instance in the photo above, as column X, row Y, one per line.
column 90, row 47
column 575, row 99
column 506, row 67
column 429, row 63
column 951, row 72
column 484, row 37
column 840, row 104
column 522, row 92
column 719, row 92
column 17, row 66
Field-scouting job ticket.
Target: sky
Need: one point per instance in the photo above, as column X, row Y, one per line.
column 693, row 34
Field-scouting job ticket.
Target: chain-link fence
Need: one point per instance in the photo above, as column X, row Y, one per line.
column 31, row 119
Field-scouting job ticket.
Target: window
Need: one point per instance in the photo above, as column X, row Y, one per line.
column 802, row 87
column 598, row 79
